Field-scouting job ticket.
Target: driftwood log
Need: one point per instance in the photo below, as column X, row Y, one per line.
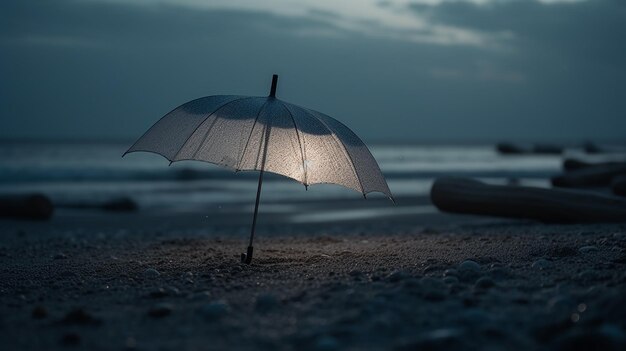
column 589, row 177
column 572, row 164
column 33, row 206
column 468, row 196
column 538, row 149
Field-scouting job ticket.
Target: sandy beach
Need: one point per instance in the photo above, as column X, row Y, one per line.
column 94, row 281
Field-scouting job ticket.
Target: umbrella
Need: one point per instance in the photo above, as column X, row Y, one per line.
column 265, row 134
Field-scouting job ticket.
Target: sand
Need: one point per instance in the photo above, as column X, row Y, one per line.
column 133, row 281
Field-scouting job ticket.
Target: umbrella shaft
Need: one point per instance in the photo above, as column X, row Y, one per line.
column 256, row 205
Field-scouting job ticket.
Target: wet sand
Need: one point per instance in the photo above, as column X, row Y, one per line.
column 158, row 281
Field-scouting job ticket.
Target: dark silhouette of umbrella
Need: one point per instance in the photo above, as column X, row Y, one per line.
column 265, row 134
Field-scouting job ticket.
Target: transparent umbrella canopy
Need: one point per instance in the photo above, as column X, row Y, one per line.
column 266, row 134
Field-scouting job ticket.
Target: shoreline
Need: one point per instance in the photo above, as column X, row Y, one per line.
column 335, row 286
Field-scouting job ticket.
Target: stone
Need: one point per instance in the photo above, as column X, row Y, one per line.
column 469, row 265
column 588, row 249
column 151, row 273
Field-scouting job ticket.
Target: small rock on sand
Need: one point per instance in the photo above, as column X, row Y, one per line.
column 588, row 249
column 469, row 265
column 151, row 273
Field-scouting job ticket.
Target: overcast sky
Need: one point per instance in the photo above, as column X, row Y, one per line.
column 422, row 70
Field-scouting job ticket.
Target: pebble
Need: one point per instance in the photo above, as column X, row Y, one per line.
column 541, row 264
column 588, row 249
column 215, row 309
column 266, row 302
column 484, row 283
column 469, row 265
column 60, row 256
column 151, row 273
column 161, row 310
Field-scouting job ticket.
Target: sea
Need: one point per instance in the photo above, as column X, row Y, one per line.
column 80, row 171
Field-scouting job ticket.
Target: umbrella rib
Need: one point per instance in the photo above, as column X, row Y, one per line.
column 340, row 144
column 157, row 122
column 300, row 142
column 250, row 135
column 204, row 120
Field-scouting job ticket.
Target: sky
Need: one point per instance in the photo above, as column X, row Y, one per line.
column 420, row 71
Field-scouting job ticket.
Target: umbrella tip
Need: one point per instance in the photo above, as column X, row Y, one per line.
column 274, row 83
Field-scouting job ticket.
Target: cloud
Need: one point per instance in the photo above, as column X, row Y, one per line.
column 491, row 70
column 576, row 30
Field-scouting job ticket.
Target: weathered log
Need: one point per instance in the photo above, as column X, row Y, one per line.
column 468, row 196
column 592, row 148
column 618, row 185
column 32, row 206
column 572, row 164
column 510, row 149
column 537, row 149
column 589, row 177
